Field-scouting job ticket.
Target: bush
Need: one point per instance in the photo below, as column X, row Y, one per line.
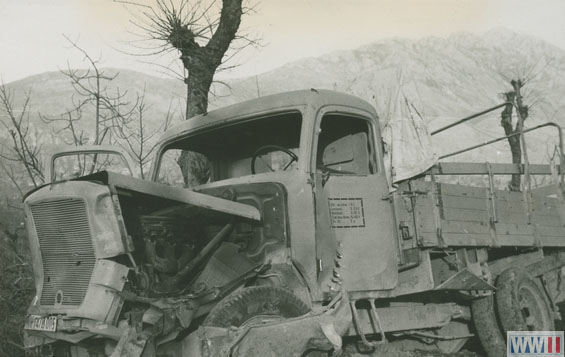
column 16, row 291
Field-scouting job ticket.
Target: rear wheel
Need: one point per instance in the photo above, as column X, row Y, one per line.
column 522, row 306
column 518, row 305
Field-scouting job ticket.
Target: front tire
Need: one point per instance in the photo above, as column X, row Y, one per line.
column 487, row 328
column 257, row 304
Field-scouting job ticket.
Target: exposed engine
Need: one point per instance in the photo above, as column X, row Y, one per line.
column 147, row 265
column 168, row 245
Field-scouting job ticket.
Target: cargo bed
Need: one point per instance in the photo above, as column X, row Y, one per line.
column 434, row 214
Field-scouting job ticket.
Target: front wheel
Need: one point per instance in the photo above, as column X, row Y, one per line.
column 487, row 328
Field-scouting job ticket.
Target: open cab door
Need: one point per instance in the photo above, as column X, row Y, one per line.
column 67, row 162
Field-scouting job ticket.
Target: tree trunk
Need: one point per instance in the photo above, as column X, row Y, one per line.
column 200, row 62
column 197, row 88
column 194, row 166
column 516, row 152
column 522, row 114
column 514, row 141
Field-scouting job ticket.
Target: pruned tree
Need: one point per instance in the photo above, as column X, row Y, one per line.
column 514, row 101
column 201, row 33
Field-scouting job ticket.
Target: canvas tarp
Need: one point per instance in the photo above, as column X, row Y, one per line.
column 407, row 142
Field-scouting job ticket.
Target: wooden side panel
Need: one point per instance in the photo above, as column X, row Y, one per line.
column 455, row 215
column 466, row 215
column 549, row 215
column 467, row 239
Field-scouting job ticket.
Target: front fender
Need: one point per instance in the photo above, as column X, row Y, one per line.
column 291, row 337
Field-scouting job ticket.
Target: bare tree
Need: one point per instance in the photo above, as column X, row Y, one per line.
column 514, row 98
column 70, row 130
column 70, row 126
column 22, row 149
column 116, row 120
column 201, row 36
column 137, row 139
column 111, row 109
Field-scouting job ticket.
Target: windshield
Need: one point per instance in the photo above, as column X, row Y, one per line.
column 265, row 144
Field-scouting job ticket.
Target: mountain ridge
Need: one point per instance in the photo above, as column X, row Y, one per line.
column 445, row 77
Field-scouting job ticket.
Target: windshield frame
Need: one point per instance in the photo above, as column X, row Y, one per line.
column 305, row 130
column 60, row 151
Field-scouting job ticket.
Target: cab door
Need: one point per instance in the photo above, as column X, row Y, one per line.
column 355, row 230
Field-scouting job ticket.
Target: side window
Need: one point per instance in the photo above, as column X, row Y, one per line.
column 345, row 146
column 170, row 172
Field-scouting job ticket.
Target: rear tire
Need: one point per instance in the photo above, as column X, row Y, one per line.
column 522, row 306
column 519, row 304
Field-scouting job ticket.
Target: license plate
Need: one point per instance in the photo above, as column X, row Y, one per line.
column 38, row 323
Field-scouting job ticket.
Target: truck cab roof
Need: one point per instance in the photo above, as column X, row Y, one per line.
column 268, row 104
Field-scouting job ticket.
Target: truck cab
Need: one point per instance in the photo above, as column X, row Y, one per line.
column 324, row 150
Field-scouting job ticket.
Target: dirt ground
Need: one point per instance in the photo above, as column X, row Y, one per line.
column 471, row 349
column 416, row 354
column 350, row 350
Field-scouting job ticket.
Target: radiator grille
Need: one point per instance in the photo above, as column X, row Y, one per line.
column 66, row 248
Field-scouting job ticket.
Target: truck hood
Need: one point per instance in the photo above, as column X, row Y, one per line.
column 124, row 184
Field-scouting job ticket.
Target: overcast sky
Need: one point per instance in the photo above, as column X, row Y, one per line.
column 31, row 31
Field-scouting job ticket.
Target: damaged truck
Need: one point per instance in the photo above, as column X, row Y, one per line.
column 294, row 242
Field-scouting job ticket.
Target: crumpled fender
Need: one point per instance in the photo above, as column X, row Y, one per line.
column 291, row 337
